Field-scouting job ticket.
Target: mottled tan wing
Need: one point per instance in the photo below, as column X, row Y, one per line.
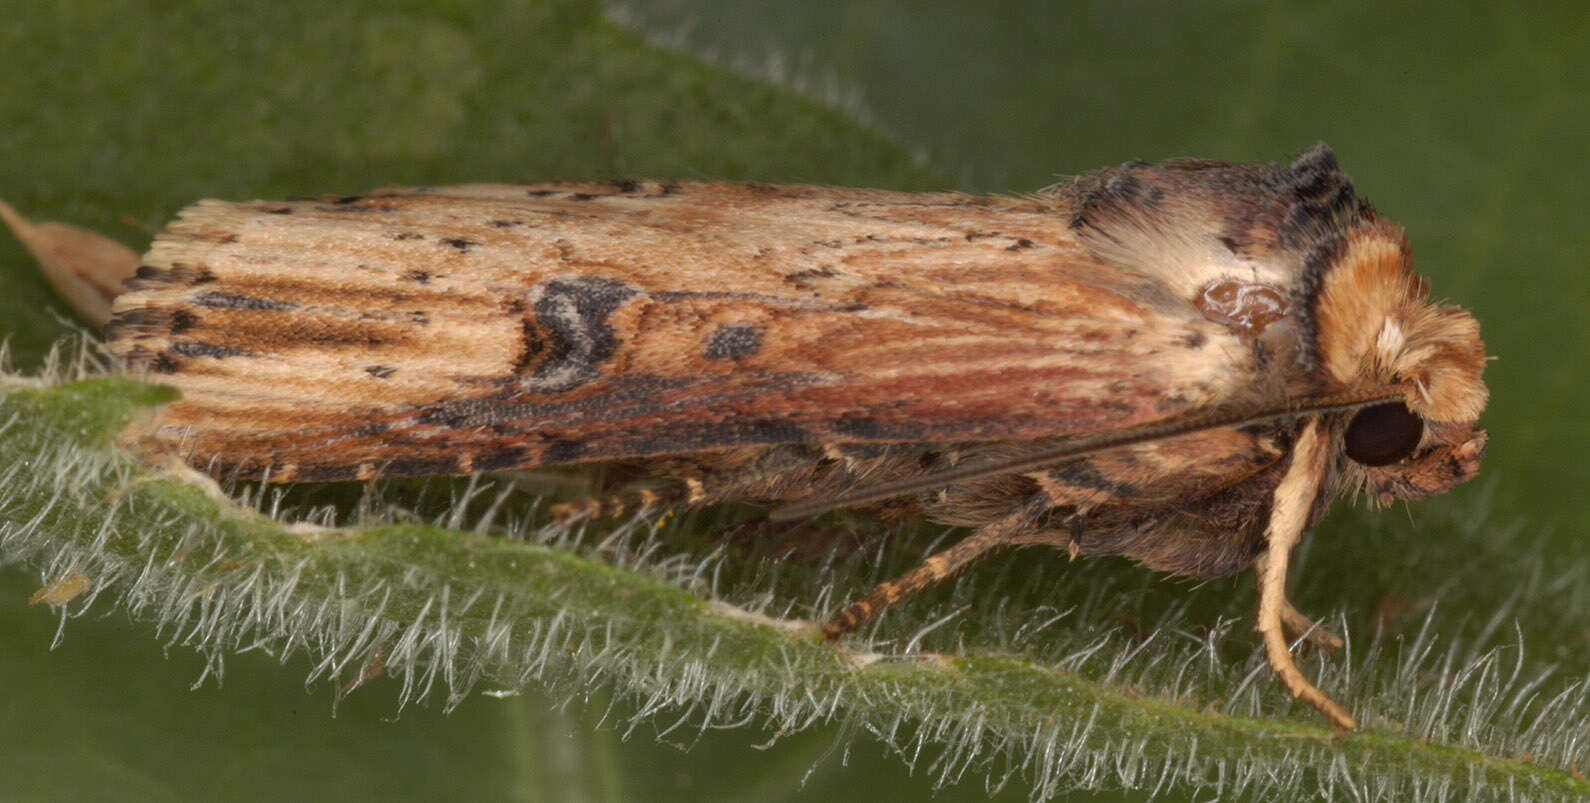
column 484, row 327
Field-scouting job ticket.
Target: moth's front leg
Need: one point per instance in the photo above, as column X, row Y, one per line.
column 1297, row 624
column 1288, row 518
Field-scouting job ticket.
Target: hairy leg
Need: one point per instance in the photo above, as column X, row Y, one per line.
column 935, row 569
column 1288, row 517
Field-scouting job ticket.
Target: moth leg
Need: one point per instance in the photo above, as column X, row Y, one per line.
column 1079, row 522
column 1298, row 625
column 632, row 500
column 763, row 474
column 1288, row 517
column 935, row 569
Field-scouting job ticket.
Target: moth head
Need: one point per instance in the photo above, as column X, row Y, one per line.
column 1377, row 328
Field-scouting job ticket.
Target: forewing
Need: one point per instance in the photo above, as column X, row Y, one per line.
column 487, row 327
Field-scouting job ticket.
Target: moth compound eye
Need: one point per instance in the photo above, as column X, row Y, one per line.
column 1383, row 434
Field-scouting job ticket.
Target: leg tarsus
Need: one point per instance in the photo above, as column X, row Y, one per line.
column 1281, row 662
column 628, row 501
column 1299, row 626
column 1079, row 521
column 935, row 569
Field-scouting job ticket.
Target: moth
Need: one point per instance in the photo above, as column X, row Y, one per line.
column 1183, row 363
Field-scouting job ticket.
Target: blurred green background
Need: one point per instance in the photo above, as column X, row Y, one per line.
column 1466, row 124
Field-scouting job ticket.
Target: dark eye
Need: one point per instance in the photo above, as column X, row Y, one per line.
column 1383, row 434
